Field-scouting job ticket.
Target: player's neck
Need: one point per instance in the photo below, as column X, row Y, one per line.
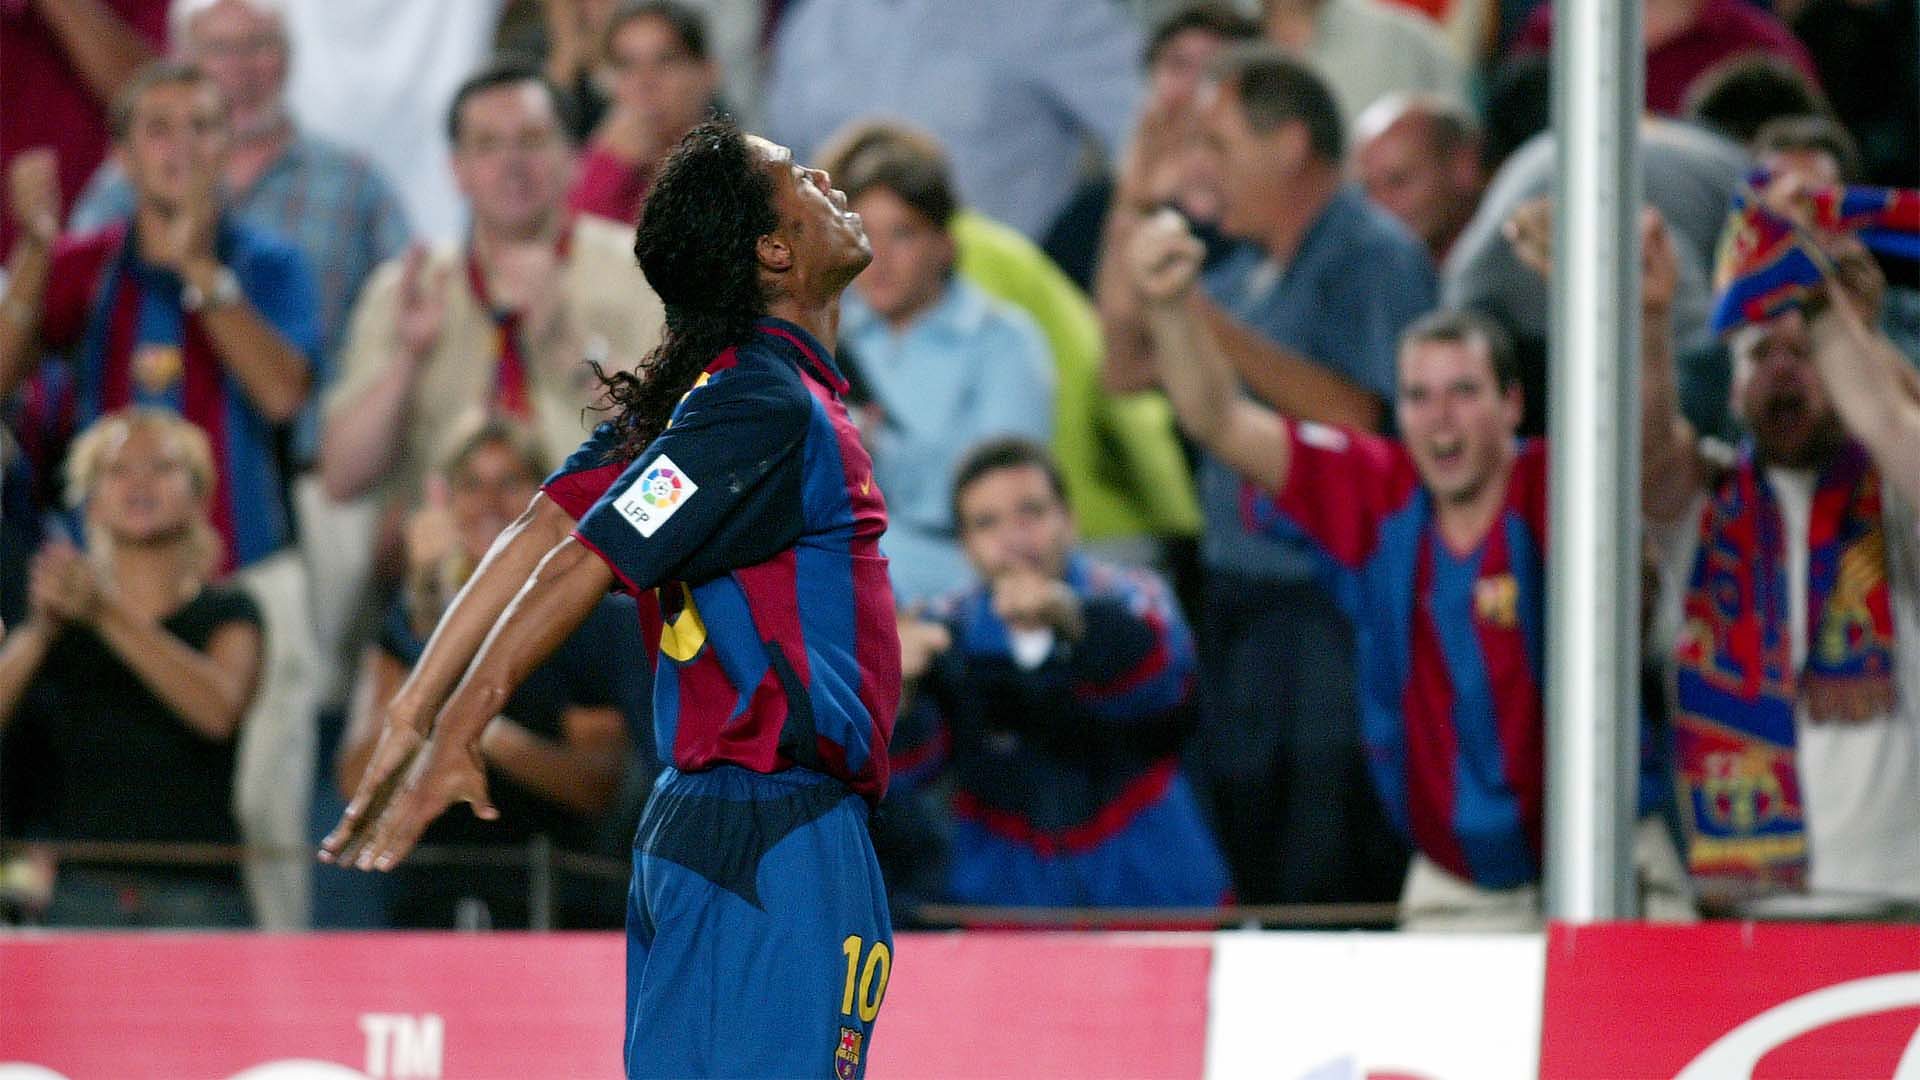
column 820, row 320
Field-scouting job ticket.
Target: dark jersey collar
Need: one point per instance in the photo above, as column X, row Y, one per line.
column 813, row 355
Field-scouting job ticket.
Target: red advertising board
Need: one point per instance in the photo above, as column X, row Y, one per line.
column 1767, row 1001
column 522, row 1006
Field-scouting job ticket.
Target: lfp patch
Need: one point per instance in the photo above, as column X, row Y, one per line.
column 663, row 488
column 846, row 1059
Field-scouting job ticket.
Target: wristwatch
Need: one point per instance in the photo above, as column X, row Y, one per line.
column 226, row 290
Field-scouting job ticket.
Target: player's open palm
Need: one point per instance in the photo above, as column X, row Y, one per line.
column 442, row 775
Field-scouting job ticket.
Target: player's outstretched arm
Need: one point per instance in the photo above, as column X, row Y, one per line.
column 1196, row 374
column 448, row 768
column 408, row 716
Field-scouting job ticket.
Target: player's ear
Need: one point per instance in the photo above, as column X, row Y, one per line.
column 774, row 253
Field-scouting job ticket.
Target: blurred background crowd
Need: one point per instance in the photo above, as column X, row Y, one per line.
column 303, row 299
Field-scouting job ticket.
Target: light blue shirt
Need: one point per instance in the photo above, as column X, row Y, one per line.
column 1356, row 281
column 332, row 206
column 967, row 369
column 1013, row 88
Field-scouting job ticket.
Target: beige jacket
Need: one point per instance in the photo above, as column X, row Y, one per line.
column 609, row 313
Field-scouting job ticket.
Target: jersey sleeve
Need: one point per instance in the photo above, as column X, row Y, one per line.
column 1136, row 659
column 1340, row 485
column 587, row 473
column 719, row 490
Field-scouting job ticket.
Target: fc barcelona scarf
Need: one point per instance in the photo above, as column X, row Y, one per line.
column 1764, row 268
column 1737, row 687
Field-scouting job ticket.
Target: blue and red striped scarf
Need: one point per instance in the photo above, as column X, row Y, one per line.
column 1738, row 691
column 1763, row 267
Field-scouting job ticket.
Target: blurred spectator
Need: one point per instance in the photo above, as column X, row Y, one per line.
column 1791, row 596
column 333, row 206
column 1819, row 151
column 508, row 320
column 1308, row 309
column 183, row 305
column 1366, row 49
column 66, row 61
column 1013, row 88
column 1418, row 158
column 569, row 38
column 1163, row 161
column 1127, row 480
column 135, row 674
column 663, row 83
column 1868, row 55
column 1690, row 174
column 375, row 77
column 1685, row 39
column 1066, row 686
column 1740, row 94
column 1436, row 544
column 556, row 753
column 944, row 364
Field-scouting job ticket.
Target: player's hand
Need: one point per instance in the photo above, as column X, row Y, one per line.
column 33, row 194
column 62, row 586
column 442, row 775
column 1164, row 258
column 921, row 640
column 423, row 304
column 393, row 756
column 1150, row 168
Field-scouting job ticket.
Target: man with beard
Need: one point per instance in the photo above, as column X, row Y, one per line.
column 1792, row 598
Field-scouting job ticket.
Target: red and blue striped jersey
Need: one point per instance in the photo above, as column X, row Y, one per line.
column 1449, row 643
column 750, row 531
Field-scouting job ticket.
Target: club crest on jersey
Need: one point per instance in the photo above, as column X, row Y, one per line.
column 846, row 1060
column 663, row 488
column 1496, row 601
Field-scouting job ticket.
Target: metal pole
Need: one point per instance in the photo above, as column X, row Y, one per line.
column 1593, row 422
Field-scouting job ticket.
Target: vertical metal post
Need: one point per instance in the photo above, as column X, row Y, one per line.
column 1593, row 422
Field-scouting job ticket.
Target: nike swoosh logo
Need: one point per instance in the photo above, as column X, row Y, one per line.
column 866, row 486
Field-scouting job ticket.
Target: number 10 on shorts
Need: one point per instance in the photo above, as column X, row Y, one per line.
column 872, row 982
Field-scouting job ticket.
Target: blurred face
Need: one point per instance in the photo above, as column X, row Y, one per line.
column 1777, row 393
column 826, row 240
column 179, row 132
column 1454, row 418
column 244, row 52
column 1405, row 174
column 486, row 492
column 1010, row 519
column 1177, row 72
column 1253, row 169
column 656, row 77
column 511, row 160
column 145, row 493
column 911, row 257
column 1817, row 167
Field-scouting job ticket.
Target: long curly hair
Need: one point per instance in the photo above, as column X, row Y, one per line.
column 704, row 216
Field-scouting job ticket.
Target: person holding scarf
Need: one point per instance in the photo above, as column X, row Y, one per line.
column 1791, row 577
column 181, row 306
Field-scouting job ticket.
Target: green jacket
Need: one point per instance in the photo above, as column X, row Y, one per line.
column 1125, row 473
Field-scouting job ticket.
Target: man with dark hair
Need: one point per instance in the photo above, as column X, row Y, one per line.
column 758, row 937
column 1307, row 306
column 945, row 364
column 1064, row 686
column 1737, row 96
column 1435, row 544
column 507, row 320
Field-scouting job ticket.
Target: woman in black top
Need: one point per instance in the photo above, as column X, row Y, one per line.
column 556, row 755
column 131, row 676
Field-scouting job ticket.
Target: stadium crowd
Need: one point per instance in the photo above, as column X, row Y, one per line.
column 1202, row 361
